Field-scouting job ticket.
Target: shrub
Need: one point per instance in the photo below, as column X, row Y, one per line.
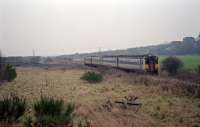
column 48, row 106
column 198, row 69
column 8, row 73
column 92, row 77
column 51, row 112
column 11, row 108
column 172, row 65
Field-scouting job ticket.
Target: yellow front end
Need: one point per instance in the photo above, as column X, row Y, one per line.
column 153, row 68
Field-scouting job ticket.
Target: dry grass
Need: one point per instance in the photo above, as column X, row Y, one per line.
column 160, row 108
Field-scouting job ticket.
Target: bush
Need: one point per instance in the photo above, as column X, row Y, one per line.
column 198, row 69
column 51, row 112
column 11, row 108
column 92, row 77
column 172, row 65
column 48, row 106
column 8, row 73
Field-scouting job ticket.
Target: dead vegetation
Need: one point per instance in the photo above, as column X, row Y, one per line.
column 170, row 85
column 161, row 84
column 162, row 102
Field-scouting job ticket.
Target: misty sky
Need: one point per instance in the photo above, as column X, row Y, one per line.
column 54, row 27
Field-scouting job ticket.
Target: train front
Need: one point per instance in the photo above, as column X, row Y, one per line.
column 151, row 64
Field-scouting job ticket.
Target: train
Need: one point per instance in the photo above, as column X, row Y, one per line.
column 145, row 63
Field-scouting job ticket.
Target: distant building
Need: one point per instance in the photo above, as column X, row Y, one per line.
column 188, row 40
column 198, row 38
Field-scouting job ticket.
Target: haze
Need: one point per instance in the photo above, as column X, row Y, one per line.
column 55, row 27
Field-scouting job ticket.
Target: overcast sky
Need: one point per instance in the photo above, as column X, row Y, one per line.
column 54, row 27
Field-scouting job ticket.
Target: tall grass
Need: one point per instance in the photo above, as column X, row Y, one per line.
column 171, row 86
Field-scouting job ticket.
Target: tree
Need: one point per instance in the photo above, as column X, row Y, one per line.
column 172, row 65
column 7, row 71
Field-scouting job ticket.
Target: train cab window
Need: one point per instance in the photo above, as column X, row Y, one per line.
column 146, row 60
column 151, row 60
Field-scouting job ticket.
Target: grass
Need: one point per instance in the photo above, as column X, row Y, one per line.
column 159, row 108
column 190, row 62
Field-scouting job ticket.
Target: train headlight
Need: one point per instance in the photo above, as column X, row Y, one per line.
column 146, row 66
column 157, row 66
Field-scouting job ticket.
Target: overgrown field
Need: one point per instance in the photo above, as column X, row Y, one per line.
column 190, row 62
column 164, row 104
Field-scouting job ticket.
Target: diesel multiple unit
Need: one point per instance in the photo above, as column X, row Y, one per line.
column 147, row 63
